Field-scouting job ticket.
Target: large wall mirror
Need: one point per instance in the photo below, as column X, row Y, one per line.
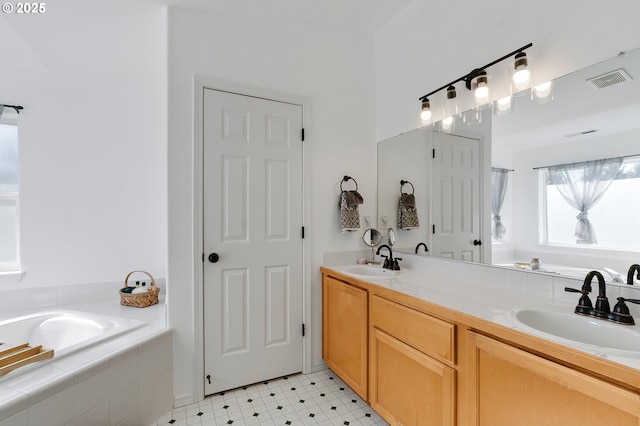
column 587, row 119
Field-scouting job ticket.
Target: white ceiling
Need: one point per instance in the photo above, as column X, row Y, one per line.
column 366, row 15
column 578, row 106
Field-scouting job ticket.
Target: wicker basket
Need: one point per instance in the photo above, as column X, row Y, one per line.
column 140, row 300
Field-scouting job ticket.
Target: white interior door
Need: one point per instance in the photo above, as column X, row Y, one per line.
column 456, row 194
column 252, row 170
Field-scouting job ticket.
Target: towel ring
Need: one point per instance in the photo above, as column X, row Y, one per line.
column 347, row 179
column 403, row 182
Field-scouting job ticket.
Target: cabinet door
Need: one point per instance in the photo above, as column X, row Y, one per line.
column 407, row 387
column 344, row 332
column 508, row 386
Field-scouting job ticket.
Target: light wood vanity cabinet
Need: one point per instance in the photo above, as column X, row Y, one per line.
column 418, row 363
column 344, row 332
column 508, row 386
column 411, row 357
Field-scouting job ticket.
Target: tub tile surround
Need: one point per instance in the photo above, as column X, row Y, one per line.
column 16, row 298
column 125, row 380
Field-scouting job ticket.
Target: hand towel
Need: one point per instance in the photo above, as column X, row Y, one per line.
column 407, row 214
column 349, row 213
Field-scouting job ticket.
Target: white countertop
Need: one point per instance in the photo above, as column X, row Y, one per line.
column 493, row 302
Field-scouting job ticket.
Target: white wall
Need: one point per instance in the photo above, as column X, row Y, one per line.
column 430, row 44
column 331, row 67
column 92, row 139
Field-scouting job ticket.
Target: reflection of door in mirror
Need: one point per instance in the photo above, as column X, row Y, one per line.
column 404, row 157
column 456, row 194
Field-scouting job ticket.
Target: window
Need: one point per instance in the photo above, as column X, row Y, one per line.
column 8, row 195
column 614, row 217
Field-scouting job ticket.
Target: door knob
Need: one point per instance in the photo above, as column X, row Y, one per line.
column 213, row 257
column 477, row 242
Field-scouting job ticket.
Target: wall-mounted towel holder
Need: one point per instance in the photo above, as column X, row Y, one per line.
column 347, row 179
column 406, row 182
column 349, row 201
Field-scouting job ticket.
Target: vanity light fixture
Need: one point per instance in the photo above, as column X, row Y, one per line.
column 478, row 81
column 521, row 74
column 451, row 92
column 425, row 115
column 451, row 105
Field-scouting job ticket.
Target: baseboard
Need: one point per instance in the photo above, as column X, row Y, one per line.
column 318, row 366
column 183, row 400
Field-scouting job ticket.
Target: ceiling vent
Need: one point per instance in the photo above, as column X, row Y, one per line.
column 610, row 79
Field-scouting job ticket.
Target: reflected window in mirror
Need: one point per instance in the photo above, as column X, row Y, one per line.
column 593, row 205
column 499, row 183
column 9, row 256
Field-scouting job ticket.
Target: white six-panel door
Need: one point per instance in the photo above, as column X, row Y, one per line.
column 456, row 194
column 253, row 298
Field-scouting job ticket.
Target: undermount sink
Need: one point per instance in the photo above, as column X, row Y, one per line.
column 563, row 324
column 369, row 271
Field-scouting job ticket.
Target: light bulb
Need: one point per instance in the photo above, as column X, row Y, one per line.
column 521, row 78
column 447, row 124
column 502, row 106
column 425, row 115
column 504, row 102
column 543, row 92
column 482, row 91
column 522, row 75
column 543, row 88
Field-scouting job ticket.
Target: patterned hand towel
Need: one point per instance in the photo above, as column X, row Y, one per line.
column 349, row 213
column 407, row 214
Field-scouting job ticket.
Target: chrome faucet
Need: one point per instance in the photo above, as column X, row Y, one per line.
column 633, row 268
column 422, row 245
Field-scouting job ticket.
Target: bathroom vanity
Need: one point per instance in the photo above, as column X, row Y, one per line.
column 422, row 349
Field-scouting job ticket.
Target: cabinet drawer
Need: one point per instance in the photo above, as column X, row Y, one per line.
column 425, row 333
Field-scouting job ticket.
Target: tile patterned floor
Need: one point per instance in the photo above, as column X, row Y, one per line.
column 312, row 399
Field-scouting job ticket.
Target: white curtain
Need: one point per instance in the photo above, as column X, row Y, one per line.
column 499, row 180
column 582, row 185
